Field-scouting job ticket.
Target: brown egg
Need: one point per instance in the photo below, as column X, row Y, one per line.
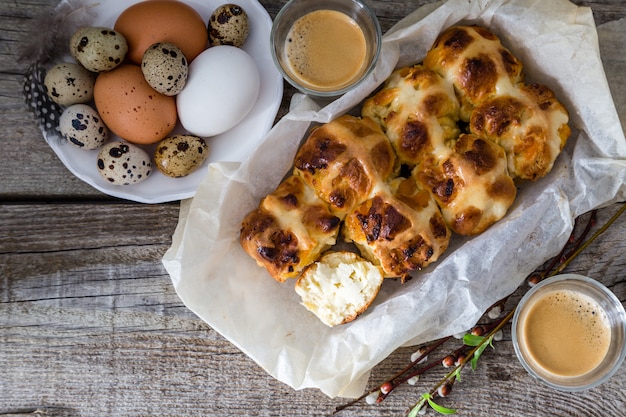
column 131, row 108
column 149, row 22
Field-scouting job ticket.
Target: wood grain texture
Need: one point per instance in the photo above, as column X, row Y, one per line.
column 90, row 324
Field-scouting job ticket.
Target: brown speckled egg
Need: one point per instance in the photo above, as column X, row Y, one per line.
column 180, row 155
column 98, row 48
column 82, row 126
column 228, row 25
column 123, row 163
column 149, row 22
column 131, row 108
column 68, row 83
column 165, row 68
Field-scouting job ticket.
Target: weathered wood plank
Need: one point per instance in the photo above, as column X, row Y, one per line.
column 90, row 323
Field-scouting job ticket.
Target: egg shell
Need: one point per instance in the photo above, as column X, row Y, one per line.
column 82, row 126
column 68, row 83
column 98, row 48
column 123, row 163
column 221, row 89
column 148, row 22
column 165, row 68
column 131, row 108
column 228, row 25
column 180, row 155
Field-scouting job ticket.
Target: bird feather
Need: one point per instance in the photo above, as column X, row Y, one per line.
column 47, row 41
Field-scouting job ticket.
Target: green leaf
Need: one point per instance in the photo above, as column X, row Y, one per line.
column 438, row 408
column 414, row 411
column 479, row 352
column 417, row 407
column 473, row 340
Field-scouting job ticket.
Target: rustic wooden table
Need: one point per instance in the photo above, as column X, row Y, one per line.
column 90, row 324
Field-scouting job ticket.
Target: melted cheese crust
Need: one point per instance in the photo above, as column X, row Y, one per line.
column 474, row 61
column 529, row 123
column 470, row 183
column 418, row 111
column 400, row 228
column 289, row 230
column 344, row 160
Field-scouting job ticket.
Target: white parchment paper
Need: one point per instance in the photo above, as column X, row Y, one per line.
column 558, row 45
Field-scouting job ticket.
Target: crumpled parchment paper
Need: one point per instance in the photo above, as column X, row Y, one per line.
column 558, row 44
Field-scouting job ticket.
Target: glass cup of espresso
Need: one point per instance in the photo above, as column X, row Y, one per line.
column 569, row 332
column 325, row 48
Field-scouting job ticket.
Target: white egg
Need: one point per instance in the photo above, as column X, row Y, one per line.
column 222, row 87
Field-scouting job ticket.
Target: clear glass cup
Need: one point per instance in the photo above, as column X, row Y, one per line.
column 357, row 10
column 616, row 319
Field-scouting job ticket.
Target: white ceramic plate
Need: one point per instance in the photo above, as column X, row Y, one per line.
column 233, row 145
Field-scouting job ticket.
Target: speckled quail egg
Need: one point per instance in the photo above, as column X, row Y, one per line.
column 180, row 155
column 83, row 127
column 165, row 68
column 98, row 48
column 123, row 163
column 228, row 25
column 68, row 83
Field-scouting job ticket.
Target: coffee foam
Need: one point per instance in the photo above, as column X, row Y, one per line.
column 566, row 333
column 326, row 49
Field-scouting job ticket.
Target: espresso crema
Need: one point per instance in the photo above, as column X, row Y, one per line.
column 326, row 50
column 564, row 333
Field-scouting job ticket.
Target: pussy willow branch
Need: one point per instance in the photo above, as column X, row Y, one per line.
column 470, row 355
column 421, row 357
column 564, row 255
column 584, row 246
column 568, row 253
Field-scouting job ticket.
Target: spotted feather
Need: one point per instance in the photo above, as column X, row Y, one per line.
column 46, row 42
column 46, row 111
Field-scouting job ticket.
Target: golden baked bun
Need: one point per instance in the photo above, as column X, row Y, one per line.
column 475, row 62
column 344, row 159
column 418, row 111
column 339, row 287
column 400, row 228
column 289, row 230
column 529, row 123
column 470, row 183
